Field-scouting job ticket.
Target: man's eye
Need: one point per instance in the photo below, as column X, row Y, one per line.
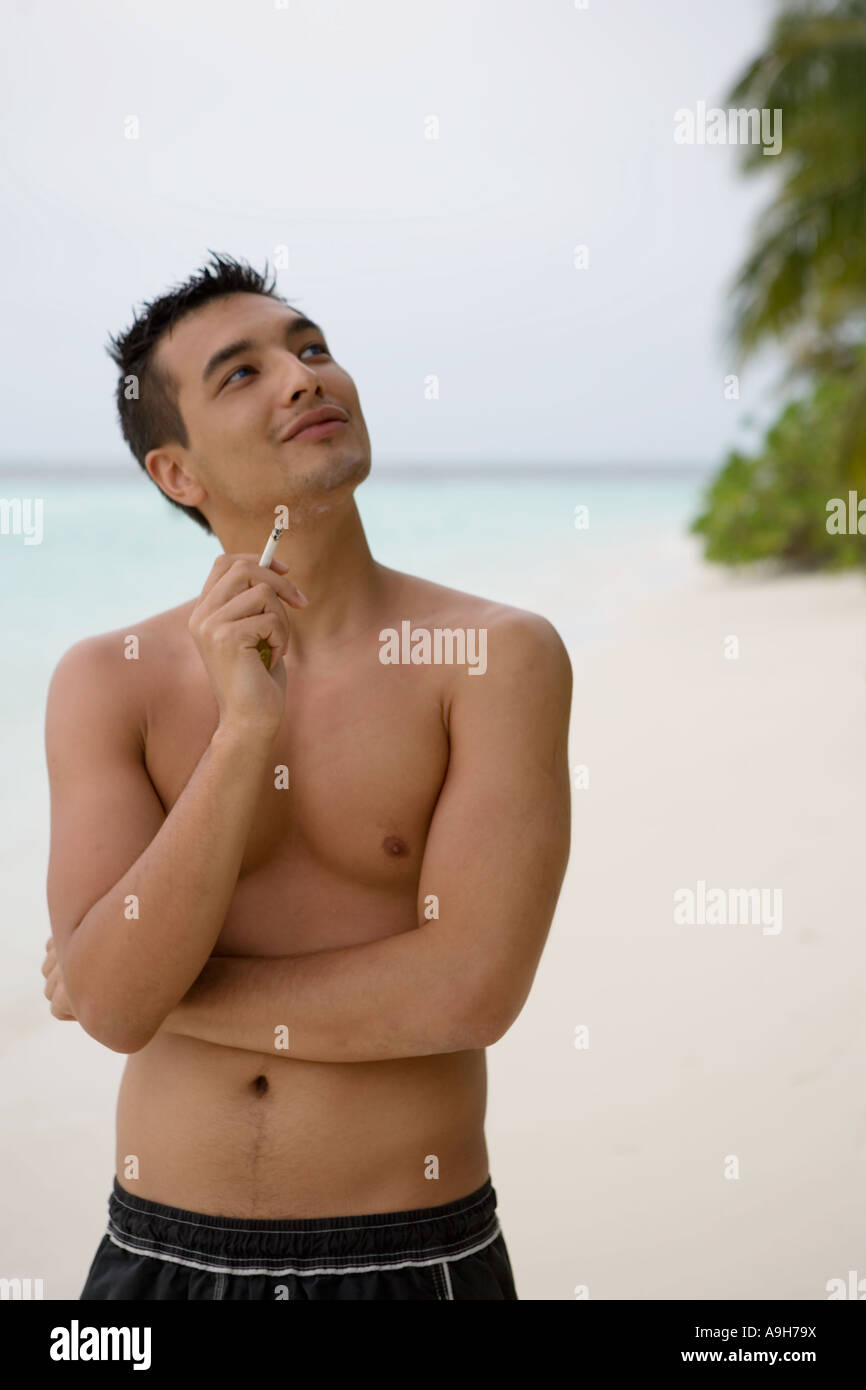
column 244, row 368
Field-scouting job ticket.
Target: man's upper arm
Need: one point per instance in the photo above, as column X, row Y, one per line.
column 499, row 840
column 104, row 809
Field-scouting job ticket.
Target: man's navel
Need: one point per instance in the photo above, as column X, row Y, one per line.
column 260, row 1085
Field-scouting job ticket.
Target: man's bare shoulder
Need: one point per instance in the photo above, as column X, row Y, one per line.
column 113, row 671
column 524, row 656
column 159, row 631
column 435, row 605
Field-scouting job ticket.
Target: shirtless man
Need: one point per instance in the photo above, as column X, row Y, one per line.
column 303, row 897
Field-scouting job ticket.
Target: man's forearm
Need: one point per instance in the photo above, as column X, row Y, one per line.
column 125, row 974
column 396, row 997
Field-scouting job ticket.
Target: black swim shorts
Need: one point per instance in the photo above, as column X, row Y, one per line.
column 150, row 1251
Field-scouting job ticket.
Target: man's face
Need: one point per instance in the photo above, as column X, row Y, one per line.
column 239, row 405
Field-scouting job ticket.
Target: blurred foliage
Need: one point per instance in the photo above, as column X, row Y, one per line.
column 803, row 284
column 774, row 506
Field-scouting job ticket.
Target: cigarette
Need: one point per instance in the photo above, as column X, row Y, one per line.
column 268, row 552
column 262, row 647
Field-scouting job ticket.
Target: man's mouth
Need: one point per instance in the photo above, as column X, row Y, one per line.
column 316, row 424
column 318, row 431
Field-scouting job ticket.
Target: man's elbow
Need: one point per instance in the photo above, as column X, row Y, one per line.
column 498, row 1005
column 117, row 1034
column 495, row 1027
column 485, row 1020
column 102, row 1015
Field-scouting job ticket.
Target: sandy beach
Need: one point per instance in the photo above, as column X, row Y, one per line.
column 705, row 1041
column 706, row 1138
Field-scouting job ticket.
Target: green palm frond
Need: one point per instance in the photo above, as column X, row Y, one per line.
column 852, row 444
column 811, row 236
column 803, row 283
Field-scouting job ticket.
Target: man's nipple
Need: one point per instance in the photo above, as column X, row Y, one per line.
column 392, row 844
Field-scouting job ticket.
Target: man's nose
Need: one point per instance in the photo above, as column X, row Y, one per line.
column 296, row 379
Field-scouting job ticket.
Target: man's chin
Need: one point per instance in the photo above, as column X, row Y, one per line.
column 324, row 482
column 336, row 472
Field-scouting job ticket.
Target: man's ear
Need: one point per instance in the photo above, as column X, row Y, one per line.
column 166, row 467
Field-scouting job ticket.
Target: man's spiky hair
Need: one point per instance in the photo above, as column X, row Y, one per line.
column 147, row 395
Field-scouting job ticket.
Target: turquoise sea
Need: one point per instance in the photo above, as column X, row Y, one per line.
column 113, row 550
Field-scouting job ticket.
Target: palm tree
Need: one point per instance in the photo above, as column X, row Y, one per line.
column 804, row 281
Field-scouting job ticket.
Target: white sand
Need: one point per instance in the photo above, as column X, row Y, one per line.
column 705, row 1041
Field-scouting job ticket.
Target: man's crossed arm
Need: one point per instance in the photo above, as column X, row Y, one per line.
column 493, row 866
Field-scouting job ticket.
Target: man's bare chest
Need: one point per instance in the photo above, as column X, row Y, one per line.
column 347, row 794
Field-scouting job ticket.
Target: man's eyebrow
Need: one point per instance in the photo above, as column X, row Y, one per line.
column 224, row 354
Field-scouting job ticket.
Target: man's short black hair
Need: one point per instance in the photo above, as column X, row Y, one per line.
column 147, row 396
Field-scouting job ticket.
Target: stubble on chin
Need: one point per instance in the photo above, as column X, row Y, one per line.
column 313, row 493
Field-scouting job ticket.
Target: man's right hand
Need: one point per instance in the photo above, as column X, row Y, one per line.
column 240, row 605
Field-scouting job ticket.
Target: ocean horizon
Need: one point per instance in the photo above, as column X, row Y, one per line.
column 491, row 532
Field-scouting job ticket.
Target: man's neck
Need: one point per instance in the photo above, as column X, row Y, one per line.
column 329, row 561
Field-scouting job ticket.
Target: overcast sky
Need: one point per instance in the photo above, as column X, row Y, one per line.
column 305, row 126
